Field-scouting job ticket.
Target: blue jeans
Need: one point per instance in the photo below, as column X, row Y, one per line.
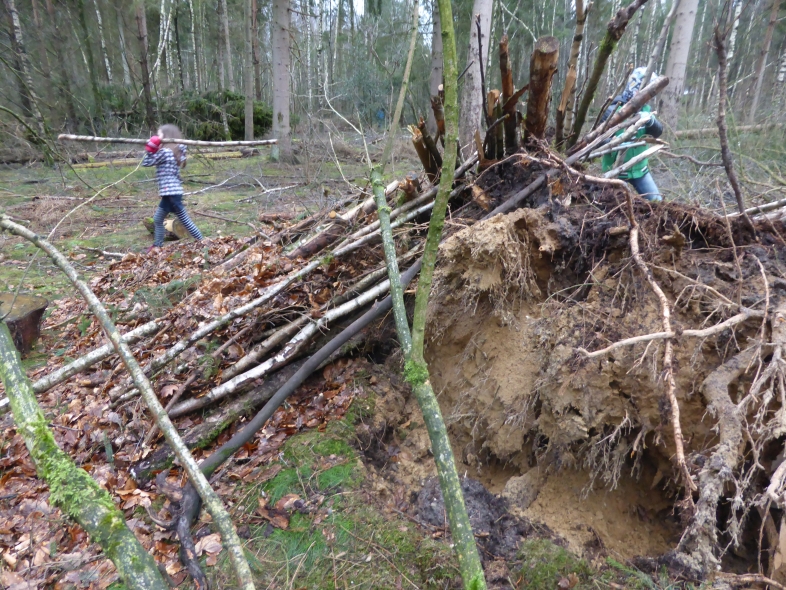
column 646, row 187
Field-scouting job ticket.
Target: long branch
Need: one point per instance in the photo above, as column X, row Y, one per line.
column 213, row 503
column 138, row 141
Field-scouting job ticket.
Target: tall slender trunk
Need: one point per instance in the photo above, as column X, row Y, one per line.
column 679, row 53
column 435, row 78
column 64, row 82
column 227, row 48
column 92, row 71
column 758, row 75
column 43, row 57
column 123, row 51
column 281, row 66
column 102, row 38
column 258, row 57
column 404, row 85
column 248, row 70
column 222, row 82
column 24, row 96
column 195, row 55
column 565, row 107
column 25, row 67
column 661, row 43
column 141, row 24
column 735, row 26
column 182, row 72
column 471, row 96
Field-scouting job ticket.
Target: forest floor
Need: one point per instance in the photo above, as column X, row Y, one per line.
column 340, row 493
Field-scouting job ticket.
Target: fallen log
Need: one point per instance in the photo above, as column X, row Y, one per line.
column 706, row 131
column 70, row 488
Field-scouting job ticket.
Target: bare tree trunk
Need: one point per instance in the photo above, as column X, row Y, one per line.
column 569, row 91
column 758, row 75
column 735, row 26
column 181, row 71
column 43, row 57
column 64, row 85
column 679, row 53
column 25, row 67
column 195, row 56
column 123, row 52
column 257, row 55
column 227, row 48
column 248, row 71
column 141, row 23
column 435, row 78
column 471, row 106
column 661, row 43
column 104, row 51
column 281, row 65
column 92, row 72
column 393, row 131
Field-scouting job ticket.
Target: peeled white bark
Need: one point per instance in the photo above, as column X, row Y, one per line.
column 679, row 53
column 281, row 66
column 471, row 96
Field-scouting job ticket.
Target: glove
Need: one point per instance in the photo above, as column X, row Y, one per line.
column 153, row 144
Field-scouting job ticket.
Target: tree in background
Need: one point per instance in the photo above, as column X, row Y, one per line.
column 676, row 66
column 281, row 94
column 471, row 105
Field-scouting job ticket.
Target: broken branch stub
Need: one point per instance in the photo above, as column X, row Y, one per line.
column 543, row 65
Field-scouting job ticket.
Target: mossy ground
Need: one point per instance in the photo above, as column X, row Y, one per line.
column 345, row 540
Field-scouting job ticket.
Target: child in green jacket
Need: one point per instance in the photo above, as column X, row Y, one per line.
column 639, row 175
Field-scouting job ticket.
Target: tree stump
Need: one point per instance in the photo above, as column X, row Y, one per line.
column 542, row 67
column 173, row 228
column 23, row 318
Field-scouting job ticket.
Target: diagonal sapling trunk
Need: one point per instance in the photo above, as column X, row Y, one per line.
column 412, row 343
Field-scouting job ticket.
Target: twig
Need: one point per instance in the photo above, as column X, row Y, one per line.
column 227, row 219
column 633, row 161
column 691, row 159
column 103, row 252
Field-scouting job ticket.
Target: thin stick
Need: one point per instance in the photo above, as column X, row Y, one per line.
column 137, row 141
column 213, row 503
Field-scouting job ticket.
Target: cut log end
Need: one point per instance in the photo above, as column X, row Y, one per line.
column 23, row 316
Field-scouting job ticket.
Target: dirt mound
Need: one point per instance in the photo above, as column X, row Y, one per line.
column 516, row 298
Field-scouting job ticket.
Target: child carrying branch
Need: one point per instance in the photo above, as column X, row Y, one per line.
column 168, row 160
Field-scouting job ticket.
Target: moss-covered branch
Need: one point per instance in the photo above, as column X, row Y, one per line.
column 72, row 489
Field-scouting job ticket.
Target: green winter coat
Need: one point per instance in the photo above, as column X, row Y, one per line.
column 639, row 169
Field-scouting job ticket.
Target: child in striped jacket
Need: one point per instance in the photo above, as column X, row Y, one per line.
column 168, row 159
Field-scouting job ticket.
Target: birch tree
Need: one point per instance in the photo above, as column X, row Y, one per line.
column 679, row 53
column 472, row 96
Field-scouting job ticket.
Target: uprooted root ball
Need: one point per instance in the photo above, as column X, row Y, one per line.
column 515, row 299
